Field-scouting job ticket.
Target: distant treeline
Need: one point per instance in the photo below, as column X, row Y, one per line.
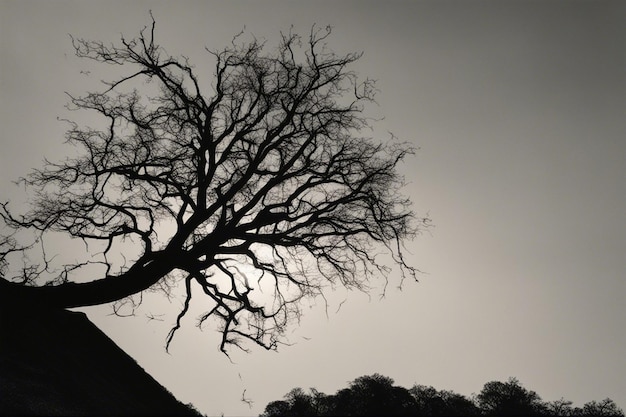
column 376, row 395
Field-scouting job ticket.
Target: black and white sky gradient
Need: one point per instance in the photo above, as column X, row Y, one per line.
column 519, row 110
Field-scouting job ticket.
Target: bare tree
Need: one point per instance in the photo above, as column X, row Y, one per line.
column 254, row 195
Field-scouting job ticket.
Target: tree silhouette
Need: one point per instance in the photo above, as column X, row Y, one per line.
column 431, row 402
column 560, row 407
column 509, row 399
column 253, row 193
column 377, row 396
column 604, row 408
column 373, row 395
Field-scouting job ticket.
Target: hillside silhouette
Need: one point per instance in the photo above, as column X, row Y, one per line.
column 58, row 363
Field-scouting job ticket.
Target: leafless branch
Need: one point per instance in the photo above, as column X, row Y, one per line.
column 256, row 194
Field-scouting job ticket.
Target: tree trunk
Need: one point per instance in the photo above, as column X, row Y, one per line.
column 138, row 278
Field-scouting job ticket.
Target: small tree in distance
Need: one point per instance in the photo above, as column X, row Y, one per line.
column 509, row 398
column 254, row 194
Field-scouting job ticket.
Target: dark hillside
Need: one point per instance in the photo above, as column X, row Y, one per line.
column 59, row 363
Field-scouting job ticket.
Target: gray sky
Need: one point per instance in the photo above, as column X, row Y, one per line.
column 519, row 110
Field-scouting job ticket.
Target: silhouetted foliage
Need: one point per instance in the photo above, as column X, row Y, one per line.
column 375, row 395
column 560, row 407
column 253, row 192
column 604, row 408
column 431, row 402
column 564, row 408
column 278, row 408
column 509, row 399
column 301, row 403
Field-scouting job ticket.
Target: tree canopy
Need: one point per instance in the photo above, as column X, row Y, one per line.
column 252, row 193
column 377, row 395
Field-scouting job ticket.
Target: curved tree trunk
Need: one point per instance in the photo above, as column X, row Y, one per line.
column 138, row 278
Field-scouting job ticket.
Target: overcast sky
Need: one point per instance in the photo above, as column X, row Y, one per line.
column 519, row 110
